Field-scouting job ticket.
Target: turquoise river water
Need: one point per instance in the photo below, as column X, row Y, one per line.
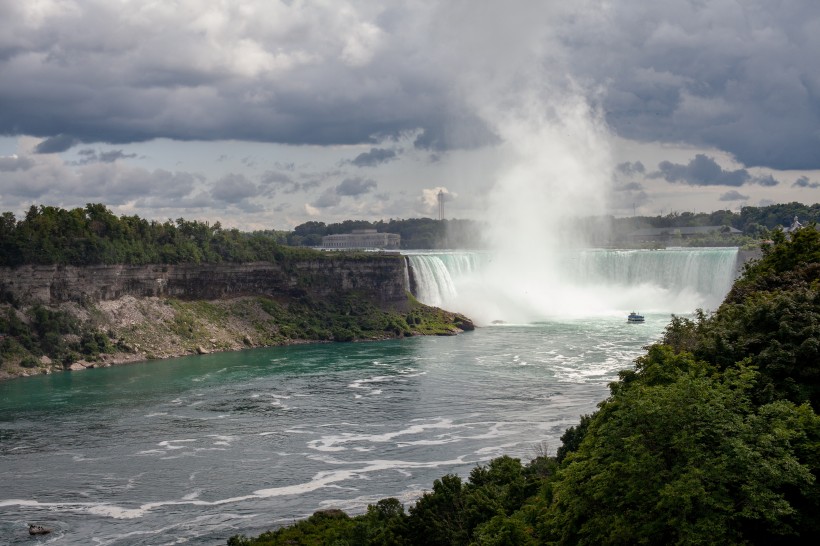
column 194, row 450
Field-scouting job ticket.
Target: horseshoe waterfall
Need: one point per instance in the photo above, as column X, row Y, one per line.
column 582, row 283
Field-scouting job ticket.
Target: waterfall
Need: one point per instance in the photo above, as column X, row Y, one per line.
column 588, row 282
column 438, row 273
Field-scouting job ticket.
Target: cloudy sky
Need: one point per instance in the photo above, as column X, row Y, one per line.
column 270, row 113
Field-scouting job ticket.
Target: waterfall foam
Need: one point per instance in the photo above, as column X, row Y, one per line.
column 582, row 283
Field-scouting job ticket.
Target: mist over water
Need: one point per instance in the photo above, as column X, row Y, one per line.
column 557, row 167
column 595, row 283
column 554, row 165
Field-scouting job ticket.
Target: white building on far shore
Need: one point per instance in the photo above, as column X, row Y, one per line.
column 363, row 238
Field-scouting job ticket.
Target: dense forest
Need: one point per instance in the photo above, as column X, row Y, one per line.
column 712, row 438
column 94, row 235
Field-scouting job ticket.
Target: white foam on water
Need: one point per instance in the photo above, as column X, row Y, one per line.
column 336, row 442
column 360, row 383
column 297, row 431
column 493, row 432
column 494, row 451
column 168, row 444
column 438, row 442
column 222, row 440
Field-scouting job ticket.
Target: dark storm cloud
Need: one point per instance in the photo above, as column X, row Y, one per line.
column 349, row 187
column 328, row 198
column 234, row 188
column 738, row 76
column 630, row 169
column 701, row 171
column 766, row 180
column 280, row 182
column 355, row 186
column 733, row 195
column 56, row 144
column 376, row 156
column 271, row 72
column 705, row 171
column 804, row 182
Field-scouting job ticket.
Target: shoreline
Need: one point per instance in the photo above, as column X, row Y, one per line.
column 132, row 330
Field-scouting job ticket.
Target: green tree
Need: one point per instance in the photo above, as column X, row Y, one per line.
column 677, row 456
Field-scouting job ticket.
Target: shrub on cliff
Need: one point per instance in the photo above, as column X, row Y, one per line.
column 52, row 333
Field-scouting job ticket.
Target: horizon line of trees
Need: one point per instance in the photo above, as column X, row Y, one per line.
column 94, row 235
column 426, row 233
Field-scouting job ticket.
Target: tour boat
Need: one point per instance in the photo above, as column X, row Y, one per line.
column 634, row 317
column 38, row 530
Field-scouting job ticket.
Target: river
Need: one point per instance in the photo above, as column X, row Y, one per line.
column 193, row 450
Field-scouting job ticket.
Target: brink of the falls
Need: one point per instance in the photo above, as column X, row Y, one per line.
column 583, row 283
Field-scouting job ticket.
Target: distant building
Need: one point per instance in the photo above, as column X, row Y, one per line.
column 795, row 226
column 671, row 233
column 363, row 238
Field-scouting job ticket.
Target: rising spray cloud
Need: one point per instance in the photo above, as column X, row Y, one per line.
column 554, row 161
column 556, row 169
column 509, row 67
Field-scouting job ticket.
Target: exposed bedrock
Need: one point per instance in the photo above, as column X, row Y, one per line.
column 381, row 278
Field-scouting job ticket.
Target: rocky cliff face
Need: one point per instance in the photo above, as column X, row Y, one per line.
column 380, row 278
column 54, row 318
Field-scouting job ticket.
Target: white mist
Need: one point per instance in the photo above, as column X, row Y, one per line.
column 557, row 168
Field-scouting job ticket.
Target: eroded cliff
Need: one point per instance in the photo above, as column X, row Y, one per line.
column 68, row 317
column 380, row 278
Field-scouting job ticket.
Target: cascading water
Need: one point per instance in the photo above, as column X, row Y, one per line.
column 437, row 274
column 588, row 283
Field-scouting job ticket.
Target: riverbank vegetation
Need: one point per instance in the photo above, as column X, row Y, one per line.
column 38, row 339
column 712, row 438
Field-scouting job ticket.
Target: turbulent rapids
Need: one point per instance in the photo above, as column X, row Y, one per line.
column 582, row 283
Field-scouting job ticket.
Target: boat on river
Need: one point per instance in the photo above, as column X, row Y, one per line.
column 38, row 530
column 634, row 317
